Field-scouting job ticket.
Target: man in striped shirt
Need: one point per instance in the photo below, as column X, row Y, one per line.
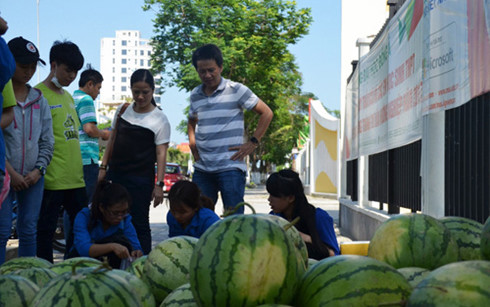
column 216, row 129
column 90, row 83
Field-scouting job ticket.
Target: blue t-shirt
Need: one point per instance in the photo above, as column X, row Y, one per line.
column 83, row 238
column 326, row 231
column 200, row 222
column 7, row 69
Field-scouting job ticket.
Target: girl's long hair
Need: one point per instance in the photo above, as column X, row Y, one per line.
column 188, row 193
column 106, row 195
column 287, row 183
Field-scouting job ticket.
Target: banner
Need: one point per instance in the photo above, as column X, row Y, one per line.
column 432, row 56
column 351, row 148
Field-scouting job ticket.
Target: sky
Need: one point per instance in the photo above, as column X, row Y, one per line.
column 86, row 22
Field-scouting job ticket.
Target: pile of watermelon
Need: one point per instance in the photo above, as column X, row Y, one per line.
column 260, row 260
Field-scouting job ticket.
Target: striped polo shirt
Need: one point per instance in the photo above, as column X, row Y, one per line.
column 220, row 124
column 89, row 146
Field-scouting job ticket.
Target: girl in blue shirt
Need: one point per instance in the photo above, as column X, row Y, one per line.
column 191, row 213
column 288, row 200
column 105, row 229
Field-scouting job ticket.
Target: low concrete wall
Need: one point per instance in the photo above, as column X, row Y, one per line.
column 359, row 223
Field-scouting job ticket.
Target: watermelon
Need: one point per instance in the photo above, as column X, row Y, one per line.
column 414, row 275
column 467, row 233
column 136, row 266
column 413, row 240
column 180, row 297
column 23, row 263
column 352, row 280
column 39, row 276
column 244, row 260
column 311, row 262
column 80, row 262
column 294, row 236
column 88, row 286
column 16, row 291
column 464, row 283
column 138, row 286
column 485, row 240
column 167, row 265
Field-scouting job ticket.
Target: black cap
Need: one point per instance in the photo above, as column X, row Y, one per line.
column 24, row 51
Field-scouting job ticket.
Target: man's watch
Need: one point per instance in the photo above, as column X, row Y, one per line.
column 42, row 170
column 254, row 140
column 161, row 184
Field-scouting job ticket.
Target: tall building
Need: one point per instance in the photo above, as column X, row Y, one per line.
column 120, row 56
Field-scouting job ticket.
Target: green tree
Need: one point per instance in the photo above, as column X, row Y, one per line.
column 254, row 37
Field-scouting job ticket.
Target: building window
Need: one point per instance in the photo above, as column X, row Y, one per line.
column 113, row 42
column 135, row 52
column 123, row 61
column 113, row 97
column 123, row 79
column 113, row 88
column 113, row 61
column 123, row 88
column 113, row 79
column 129, row 33
column 149, row 52
column 123, row 70
column 124, row 43
column 113, row 69
column 149, row 63
column 142, row 63
column 124, row 52
column 113, row 51
column 142, row 52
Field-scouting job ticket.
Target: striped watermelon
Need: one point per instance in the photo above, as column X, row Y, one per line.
column 39, row 276
column 413, row 240
column 138, row 286
column 86, row 287
column 414, row 275
column 180, row 297
column 244, row 260
column 352, row 280
column 467, row 233
column 294, row 236
column 167, row 266
column 137, row 266
column 23, row 263
column 485, row 240
column 16, row 291
column 464, row 283
column 80, row 262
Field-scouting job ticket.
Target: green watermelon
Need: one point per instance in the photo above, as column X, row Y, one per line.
column 294, row 236
column 467, row 233
column 16, row 291
column 180, row 297
column 414, row 275
column 464, row 283
column 311, row 262
column 485, row 240
column 137, row 266
column 80, row 262
column 413, row 240
column 138, row 286
column 167, row 265
column 352, row 280
column 39, row 276
column 23, row 263
column 88, row 286
column 244, row 260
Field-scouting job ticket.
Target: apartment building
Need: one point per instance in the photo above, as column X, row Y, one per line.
column 120, row 56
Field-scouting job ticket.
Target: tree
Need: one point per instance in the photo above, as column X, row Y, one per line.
column 254, row 37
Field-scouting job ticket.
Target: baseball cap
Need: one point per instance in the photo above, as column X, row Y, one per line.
column 24, row 51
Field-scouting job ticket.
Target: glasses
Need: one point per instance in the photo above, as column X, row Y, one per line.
column 122, row 213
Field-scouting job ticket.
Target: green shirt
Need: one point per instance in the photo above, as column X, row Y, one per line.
column 89, row 146
column 66, row 169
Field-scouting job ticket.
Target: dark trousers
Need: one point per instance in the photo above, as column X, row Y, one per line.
column 72, row 200
column 140, row 189
column 90, row 175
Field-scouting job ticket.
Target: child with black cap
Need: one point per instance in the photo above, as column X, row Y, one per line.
column 29, row 145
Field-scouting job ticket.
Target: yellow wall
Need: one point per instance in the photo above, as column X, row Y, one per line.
column 323, row 182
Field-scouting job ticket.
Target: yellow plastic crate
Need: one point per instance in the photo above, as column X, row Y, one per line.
column 354, row 248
